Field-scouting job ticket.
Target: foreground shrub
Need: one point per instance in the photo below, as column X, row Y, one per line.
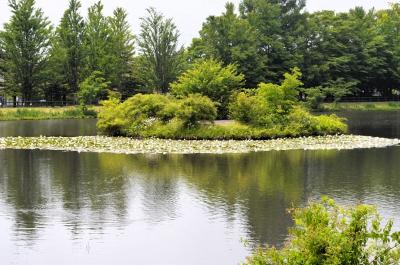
column 325, row 233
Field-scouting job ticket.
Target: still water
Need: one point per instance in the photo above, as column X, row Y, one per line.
column 70, row 208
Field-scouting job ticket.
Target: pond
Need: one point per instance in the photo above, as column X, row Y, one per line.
column 177, row 209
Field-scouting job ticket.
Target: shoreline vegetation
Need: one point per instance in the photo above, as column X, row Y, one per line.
column 124, row 145
column 47, row 113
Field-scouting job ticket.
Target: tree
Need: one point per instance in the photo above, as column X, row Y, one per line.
column 91, row 88
column 210, row 78
column 25, row 43
column 68, row 47
column 120, row 51
column 96, row 41
column 348, row 49
column 159, row 52
column 280, row 30
column 231, row 40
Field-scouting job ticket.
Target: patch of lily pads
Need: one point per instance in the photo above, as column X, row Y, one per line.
column 121, row 145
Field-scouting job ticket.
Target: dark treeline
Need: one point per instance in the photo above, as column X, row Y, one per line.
column 355, row 53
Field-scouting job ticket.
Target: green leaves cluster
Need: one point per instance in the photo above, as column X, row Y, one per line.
column 278, row 106
column 211, row 79
column 269, row 104
column 142, row 114
column 160, row 59
column 25, row 45
column 325, row 233
column 92, row 88
column 39, row 62
column 340, row 54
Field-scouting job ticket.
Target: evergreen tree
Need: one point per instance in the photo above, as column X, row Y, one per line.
column 120, row 52
column 96, row 41
column 69, row 46
column 25, row 43
column 160, row 56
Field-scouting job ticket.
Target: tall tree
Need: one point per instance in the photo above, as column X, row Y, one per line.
column 96, row 41
column 347, row 49
column 25, row 43
column 70, row 38
column 159, row 51
column 280, row 25
column 121, row 51
column 231, row 40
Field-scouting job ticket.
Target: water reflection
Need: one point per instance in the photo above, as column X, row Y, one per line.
column 165, row 209
column 373, row 123
column 65, row 128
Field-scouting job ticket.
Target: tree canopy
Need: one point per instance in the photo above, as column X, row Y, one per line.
column 354, row 53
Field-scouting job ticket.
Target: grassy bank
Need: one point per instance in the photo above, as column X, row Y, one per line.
column 48, row 113
column 363, row 106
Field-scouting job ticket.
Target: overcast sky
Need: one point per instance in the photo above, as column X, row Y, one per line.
column 187, row 14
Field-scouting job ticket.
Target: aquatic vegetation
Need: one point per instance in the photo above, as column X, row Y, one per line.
column 125, row 145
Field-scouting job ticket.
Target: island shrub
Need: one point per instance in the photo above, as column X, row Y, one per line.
column 210, row 78
column 277, row 106
column 154, row 115
column 270, row 111
column 196, row 108
column 325, row 233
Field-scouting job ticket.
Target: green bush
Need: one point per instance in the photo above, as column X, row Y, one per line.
column 210, row 78
column 277, row 107
column 142, row 114
column 326, row 234
column 196, row 108
column 270, row 105
column 270, row 111
column 243, row 107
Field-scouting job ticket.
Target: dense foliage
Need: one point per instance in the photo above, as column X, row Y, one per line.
column 143, row 115
column 277, row 106
column 325, row 233
column 211, row 79
column 92, row 88
column 268, row 112
column 340, row 54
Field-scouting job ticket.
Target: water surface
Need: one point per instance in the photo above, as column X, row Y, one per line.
column 65, row 128
column 71, row 208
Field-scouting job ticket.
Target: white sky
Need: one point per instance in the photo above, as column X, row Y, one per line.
column 187, row 14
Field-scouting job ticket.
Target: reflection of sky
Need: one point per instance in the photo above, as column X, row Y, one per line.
column 190, row 234
column 107, row 208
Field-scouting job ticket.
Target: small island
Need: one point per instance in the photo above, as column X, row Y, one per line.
column 208, row 91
